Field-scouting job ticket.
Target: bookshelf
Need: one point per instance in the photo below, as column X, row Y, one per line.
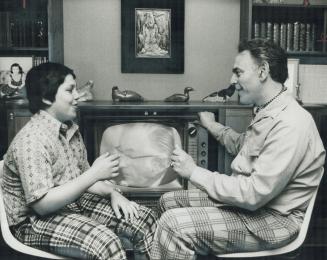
column 32, row 28
column 298, row 28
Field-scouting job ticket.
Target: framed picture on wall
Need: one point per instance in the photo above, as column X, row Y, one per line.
column 152, row 36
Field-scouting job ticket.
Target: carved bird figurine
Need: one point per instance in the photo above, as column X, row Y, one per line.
column 85, row 91
column 178, row 97
column 224, row 94
column 125, row 95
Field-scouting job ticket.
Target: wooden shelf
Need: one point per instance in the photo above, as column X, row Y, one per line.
column 286, row 5
column 34, row 30
column 310, row 21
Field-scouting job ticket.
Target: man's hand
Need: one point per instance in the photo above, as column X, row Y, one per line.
column 120, row 203
column 182, row 163
column 206, row 118
column 106, row 166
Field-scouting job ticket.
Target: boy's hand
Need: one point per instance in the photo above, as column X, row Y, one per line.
column 122, row 206
column 106, row 166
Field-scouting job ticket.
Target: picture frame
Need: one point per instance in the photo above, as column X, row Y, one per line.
column 292, row 82
column 26, row 62
column 152, row 36
column 11, row 88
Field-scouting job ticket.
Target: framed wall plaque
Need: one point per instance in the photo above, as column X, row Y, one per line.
column 152, row 36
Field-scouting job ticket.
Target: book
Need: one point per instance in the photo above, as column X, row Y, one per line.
column 313, row 37
column 296, row 36
column 256, row 30
column 263, row 30
column 289, row 37
column 5, row 39
column 308, row 46
column 269, row 31
column 302, row 41
column 276, row 36
column 283, row 35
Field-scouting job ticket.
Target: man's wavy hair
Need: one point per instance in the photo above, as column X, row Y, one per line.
column 265, row 50
column 43, row 81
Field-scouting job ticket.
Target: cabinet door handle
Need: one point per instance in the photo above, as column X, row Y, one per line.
column 11, row 116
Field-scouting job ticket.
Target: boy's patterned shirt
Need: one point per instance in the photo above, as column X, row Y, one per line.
column 44, row 154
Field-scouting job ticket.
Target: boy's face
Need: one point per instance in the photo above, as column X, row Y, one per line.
column 246, row 78
column 64, row 107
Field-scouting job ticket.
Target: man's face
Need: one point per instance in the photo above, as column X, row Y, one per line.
column 64, row 107
column 246, row 78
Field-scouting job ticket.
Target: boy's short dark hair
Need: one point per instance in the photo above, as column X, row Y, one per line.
column 266, row 50
column 43, row 81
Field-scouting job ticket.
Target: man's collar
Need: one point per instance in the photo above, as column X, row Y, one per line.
column 274, row 108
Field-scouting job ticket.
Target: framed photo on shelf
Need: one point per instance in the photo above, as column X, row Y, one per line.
column 26, row 63
column 152, row 36
column 12, row 76
column 292, row 83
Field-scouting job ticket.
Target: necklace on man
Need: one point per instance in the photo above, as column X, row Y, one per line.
column 271, row 100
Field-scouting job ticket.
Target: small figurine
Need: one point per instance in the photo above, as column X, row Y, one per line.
column 306, row 3
column 213, row 97
column 223, row 94
column 180, row 97
column 85, row 93
column 126, row 95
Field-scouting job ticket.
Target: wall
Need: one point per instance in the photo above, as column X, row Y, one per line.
column 92, row 48
column 313, row 83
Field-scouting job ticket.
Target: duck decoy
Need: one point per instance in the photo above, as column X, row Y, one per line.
column 224, row 94
column 125, row 95
column 178, row 97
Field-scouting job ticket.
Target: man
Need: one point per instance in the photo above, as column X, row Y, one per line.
column 55, row 201
column 278, row 165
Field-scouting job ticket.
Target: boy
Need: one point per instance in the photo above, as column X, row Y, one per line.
column 54, row 199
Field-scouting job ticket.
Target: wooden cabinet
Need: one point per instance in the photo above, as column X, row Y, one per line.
column 238, row 119
column 94, row 117
column 320, row 116
column 13, row 116
column 16, row 119
column 32, row 28
column 299, row 29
